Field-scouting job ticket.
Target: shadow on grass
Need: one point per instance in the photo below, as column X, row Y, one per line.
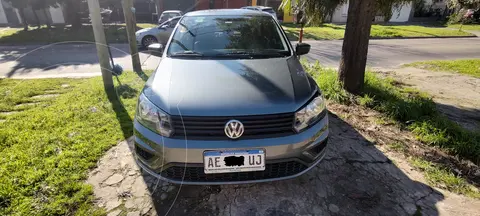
column 420, row 114
column 126, row 123
column 416, row 112
column 125, row 91
column 142, row 75
column 115, row 33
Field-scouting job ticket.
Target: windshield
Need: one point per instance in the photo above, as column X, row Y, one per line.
column 170, row 14
column 248, row 36
column 171, row 23
column 269, row 10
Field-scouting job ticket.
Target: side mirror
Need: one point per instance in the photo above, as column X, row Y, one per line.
column 164, row 26
column 156, row 49
column 302, row 48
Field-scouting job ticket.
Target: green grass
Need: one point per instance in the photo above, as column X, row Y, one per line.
column 397, row 147
column 324, row 32
column 474, row 27
column 47, row 148
column 113, row 33
column 469, row 67
column 408, row 107
column 442, row 178
column 333, row 31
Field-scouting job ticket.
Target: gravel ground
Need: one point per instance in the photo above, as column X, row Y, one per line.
column 357, row 177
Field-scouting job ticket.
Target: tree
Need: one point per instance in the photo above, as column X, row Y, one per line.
column 464, row 11
column 102, row 50
column 21, row 5
column 465, row 4
column 357, row 32
column 131, row 24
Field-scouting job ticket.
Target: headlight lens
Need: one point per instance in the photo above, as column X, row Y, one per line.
column 152, row 117
column 310, row 114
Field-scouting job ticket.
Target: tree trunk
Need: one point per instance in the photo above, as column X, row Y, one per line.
column 24, row 20
column 355, row 45
column 131, row 23
column 159, row 6
column 102, row 49
column 36, row 18
column 47, row 19
column 72, row 13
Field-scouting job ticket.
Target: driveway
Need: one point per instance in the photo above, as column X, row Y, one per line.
column 80, row 59
column 357, row 177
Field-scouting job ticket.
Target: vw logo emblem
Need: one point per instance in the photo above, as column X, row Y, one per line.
column 234, row 129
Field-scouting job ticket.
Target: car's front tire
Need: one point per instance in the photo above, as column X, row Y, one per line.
column 148, row 40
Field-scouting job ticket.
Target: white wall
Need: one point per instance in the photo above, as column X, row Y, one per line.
column 18, row 15
column 57, row 15
column 401, row 15
column 340, row 14
column 3, row 16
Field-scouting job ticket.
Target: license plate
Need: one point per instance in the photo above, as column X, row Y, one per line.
column 233, row 161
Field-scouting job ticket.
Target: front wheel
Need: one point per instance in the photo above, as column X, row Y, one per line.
column 148, row 40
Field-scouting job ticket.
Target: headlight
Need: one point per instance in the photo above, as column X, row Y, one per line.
column 310, row 114
column 152, row 117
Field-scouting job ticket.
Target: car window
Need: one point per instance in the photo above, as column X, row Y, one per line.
column 227, row 35
column 269, row 10
column 170, row 23
column 171, row 14
column 173, row 23
column 165, row 23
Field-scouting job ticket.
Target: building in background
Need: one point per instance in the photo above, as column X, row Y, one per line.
column 146, row 10
column 9, row 16
column 426, row 10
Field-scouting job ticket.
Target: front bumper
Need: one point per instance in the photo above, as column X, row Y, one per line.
column 181, row 161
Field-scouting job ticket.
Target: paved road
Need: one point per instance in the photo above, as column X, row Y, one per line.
column 62, row 60
column 81, row 59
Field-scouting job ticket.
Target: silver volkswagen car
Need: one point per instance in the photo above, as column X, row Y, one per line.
column 230, row 103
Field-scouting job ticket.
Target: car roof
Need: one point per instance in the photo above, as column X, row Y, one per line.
column 172, row 11
column 225, row 12
column 177, row 17
column 259, row 7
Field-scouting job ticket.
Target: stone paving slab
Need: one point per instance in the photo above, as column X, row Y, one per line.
column 355, row 178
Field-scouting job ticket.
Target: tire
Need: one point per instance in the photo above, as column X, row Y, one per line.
column 148, row 40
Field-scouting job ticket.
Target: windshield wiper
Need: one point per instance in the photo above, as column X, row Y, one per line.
column 187, row 53
column 257, row 53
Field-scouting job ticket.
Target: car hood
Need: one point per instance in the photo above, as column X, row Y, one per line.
column 229, row 87
column 144, row 30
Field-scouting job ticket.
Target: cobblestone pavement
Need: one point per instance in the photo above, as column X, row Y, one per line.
column 355, row 178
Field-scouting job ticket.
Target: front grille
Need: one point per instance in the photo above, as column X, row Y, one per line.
column 212, row 128
column 196, row 174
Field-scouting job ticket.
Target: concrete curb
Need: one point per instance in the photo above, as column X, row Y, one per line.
column 430, row 37
column 111, row 44
column 399, row 38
